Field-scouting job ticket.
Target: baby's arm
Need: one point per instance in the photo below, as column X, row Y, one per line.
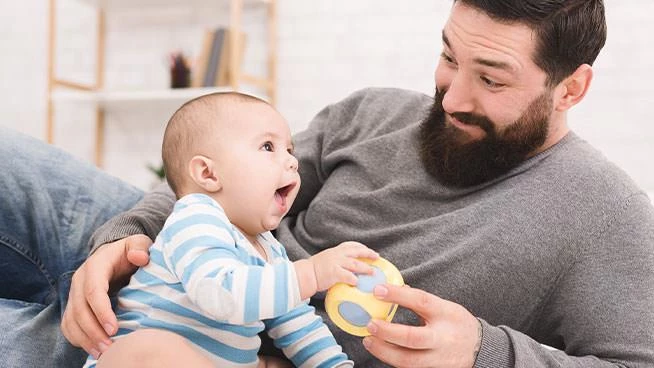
column 305, row 340
column 322, row 270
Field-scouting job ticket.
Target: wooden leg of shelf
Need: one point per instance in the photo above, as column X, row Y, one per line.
column 99, row 84
column 99, row 137
column 236, row 11
column 272, row 52
column 49, row 128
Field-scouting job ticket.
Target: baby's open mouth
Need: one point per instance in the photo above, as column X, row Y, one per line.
column 282, row 193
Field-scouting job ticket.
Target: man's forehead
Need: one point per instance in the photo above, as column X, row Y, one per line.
column 492, row 43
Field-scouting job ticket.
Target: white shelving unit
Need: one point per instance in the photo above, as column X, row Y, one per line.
column 62, row 90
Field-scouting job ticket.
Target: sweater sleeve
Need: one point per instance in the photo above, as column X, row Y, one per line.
column 147, row 217
column 581, row 315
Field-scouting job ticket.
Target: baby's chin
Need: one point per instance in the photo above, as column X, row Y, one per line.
column 271, row 225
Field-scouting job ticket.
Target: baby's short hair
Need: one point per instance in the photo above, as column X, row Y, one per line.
column 190, row 129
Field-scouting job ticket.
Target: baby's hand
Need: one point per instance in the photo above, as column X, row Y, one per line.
column 339, row 264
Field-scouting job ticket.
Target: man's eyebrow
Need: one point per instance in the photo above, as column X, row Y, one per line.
column 486, row 62
column 495, row 64
column 445, row 40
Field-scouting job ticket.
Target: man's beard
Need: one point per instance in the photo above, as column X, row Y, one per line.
column 450, row 155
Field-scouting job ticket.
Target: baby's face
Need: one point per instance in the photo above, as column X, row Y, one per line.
column 256, row 167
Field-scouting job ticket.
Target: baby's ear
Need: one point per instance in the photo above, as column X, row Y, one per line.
column 202, row 171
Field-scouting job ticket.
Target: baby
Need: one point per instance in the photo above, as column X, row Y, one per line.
column 217, row 277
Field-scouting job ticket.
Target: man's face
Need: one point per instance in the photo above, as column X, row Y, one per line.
column 450, row 155
column 492, row 108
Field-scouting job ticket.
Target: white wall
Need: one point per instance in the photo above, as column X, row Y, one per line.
column 327, row 49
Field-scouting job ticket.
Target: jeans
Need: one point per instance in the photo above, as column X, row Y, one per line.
column 50, row 205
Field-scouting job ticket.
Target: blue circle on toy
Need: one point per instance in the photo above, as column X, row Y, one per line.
column 354, row 314
column 366, row 283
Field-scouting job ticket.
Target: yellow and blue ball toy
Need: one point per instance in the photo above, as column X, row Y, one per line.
column 352, row 307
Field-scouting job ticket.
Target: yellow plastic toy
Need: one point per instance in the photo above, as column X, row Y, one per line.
column 352, row 307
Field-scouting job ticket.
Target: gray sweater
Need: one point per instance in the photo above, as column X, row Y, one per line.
column 559, row 251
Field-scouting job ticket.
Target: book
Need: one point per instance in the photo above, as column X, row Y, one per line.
column 225, row 68
column 214, row 64
column 200, row 66
column 217, row 49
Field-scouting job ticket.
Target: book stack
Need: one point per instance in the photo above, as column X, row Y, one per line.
column 212, row 67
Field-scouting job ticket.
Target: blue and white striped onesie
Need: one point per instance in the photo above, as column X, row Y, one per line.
column 206, row 282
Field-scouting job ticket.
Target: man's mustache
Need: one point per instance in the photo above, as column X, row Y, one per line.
column 467, row 118
column 473, row 119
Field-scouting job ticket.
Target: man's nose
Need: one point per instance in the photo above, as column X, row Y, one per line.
column 458, row 96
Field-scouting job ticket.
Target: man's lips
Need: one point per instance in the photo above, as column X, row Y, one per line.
column 473, row 130
column 458, row 123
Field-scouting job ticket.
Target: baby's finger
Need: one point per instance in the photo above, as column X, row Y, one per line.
column 346, row 277
column 358, row 250
column 359, row 267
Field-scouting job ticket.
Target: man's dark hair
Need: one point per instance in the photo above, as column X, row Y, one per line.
column 569, row 32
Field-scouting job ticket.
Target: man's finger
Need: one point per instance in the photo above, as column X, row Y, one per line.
column 77, row 311
column 74, row 332
column 96, row 288
column 87, row 322
column 397, row 356
column 412, row 337
column 424, row 304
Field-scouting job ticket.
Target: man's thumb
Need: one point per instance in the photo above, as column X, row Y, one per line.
column 137, row 248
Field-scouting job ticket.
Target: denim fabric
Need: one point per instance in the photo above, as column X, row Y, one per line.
column 50, row 205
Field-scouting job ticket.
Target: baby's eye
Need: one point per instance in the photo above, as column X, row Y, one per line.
column 268, row 146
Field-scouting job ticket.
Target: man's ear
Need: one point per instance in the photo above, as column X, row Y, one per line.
column 573, row 88
column 202, row 171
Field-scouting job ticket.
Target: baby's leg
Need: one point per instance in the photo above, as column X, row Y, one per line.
column 152, row 348
column 273, row 362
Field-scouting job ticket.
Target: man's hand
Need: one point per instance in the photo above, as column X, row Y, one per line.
column 450, row 336
column 88, row 320
column 340, row 263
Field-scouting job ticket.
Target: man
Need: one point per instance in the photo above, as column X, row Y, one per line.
column 510, row 230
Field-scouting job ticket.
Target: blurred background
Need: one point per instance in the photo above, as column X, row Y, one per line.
column 321, row 52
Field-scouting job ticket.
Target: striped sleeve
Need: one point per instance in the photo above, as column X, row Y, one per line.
column 306, row 340
column 221, row 278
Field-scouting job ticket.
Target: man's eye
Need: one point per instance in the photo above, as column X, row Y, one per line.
column 491, row 83
column 447, row 58
column 268, row 146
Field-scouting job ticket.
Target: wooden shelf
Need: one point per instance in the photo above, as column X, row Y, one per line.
column 64, row 90
column 140, row 4
column 116, row 99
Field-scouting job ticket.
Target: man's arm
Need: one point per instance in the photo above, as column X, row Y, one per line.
column 600, row 314
column 147, row 217
column 118, row 248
